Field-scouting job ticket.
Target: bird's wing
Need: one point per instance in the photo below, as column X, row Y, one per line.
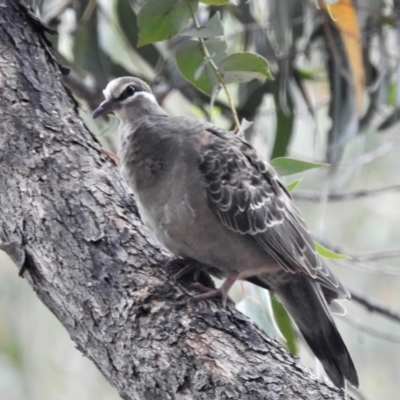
column 246, row 194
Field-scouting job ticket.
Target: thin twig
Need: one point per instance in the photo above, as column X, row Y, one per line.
column 377, row 255
column 315, row 196
column 91, row 94
column 371, row 268
column 374, row 306
column 215, row 69
column 361, row 262
column 371, row 331
column 348, row 168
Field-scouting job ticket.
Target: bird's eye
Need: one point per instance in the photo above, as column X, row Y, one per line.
column 130, row 90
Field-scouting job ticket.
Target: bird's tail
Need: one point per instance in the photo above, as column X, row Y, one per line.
column 305, row 302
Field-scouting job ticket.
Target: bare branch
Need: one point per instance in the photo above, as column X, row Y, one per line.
column 371, row 268
column 341, row 196
column 374, row 306
column 91, row 94
column 371, row 331
column 348, row 168
column 377, row 255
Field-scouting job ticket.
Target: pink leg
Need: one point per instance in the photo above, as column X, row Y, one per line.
column 221, row 292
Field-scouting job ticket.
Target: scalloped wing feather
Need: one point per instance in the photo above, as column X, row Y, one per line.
column 246, row 194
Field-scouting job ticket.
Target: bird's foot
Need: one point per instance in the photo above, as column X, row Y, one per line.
column 187, row 267
column 222, row 292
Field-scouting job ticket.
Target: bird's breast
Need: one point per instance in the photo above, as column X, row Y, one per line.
column 169, row 215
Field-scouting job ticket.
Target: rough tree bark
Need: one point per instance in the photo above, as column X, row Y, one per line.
column 68, row 221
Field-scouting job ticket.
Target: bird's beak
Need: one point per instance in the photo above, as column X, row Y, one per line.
column 105, row 107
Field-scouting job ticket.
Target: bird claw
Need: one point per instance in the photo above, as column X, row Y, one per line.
column 222, row 292
column 191, row 266
column 209, row 293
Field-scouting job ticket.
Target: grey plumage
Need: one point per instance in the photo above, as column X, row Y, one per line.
column 207, row 196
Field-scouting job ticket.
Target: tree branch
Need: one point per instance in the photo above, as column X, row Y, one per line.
column 374, row 306
column 315, row 196
column 69, row 221
column 91, row 94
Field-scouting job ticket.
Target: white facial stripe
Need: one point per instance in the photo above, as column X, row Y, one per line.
column 110, row 91
column 150, row 96
column 110, row 88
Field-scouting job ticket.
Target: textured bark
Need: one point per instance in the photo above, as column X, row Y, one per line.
column 70, row 223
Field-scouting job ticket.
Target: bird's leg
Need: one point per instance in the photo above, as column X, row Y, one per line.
column 187, row 269
column 221, row 292
column 177, row 261
column 189, row 266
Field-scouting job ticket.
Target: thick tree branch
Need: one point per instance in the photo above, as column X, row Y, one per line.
column 68, row 220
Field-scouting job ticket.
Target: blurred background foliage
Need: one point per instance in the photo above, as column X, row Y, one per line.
column 334, row 97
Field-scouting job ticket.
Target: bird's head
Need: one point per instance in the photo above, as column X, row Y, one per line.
column 126, row 97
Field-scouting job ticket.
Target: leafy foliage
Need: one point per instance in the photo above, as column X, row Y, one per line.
column 193, row 67
column 160, row 20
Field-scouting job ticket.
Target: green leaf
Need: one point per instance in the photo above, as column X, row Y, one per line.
column 214, row 2
column 129, row 28
column 285, row 324
column 324, row 252
column 392, row 96
column 190, row 57
column 212, row 29
column 244, row 67
column 293, row 185
column 284, row 119
column 311, row 74
column 288, row 166
column 160, row 20
column 88, row 55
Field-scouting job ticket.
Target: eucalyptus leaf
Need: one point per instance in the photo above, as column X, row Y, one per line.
column 288, row 166
column 244, row 67
column 190, row 57
column 285, row 118
column 160, row 20
column 293, row 185
column 88, row 54
column 285, row 324
column 215, row 2
column 324, row 252
column 129, row 28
